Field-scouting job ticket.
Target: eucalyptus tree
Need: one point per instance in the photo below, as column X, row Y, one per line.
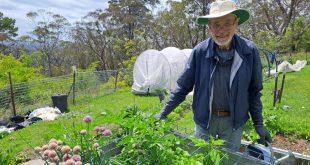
column 7, row 31
column 93, row 34
column 49, row 32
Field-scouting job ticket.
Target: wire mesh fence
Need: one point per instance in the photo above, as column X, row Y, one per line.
column 23, row 97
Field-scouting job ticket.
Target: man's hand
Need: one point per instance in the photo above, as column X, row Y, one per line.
column 263, row 134
column 160, row 116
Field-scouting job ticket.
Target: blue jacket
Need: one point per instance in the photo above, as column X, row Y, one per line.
column 245, row 83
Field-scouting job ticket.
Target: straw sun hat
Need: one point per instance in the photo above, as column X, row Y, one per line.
column 221, row 8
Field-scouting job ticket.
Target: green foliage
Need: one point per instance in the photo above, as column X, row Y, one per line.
column 6, row 157
column 147, row 141
column 293, row 37
column 7, row 28
column 3, row 134
column 126, row 73
column 267, row 40
column 20, row 72
column 111, row 84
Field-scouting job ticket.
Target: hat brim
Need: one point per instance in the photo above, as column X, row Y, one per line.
column 242, row 14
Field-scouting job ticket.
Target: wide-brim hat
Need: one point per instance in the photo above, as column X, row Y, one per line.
column 221, row 8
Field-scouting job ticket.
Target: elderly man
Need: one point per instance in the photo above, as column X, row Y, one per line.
column 226, row 75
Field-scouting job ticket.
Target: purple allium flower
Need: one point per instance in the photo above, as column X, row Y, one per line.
column 87, row 119
column 107, row 132
column 102, row 129
column 76, row 158
column 97, row 129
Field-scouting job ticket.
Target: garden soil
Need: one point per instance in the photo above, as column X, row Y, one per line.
column 291, row 143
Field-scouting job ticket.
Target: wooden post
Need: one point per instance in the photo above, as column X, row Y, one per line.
column 275, row 93
column 115, row 80
column 73, row 87
column 282, row 87
column 12, row 94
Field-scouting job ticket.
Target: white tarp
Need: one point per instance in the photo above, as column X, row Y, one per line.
column 46, row 113
column 288, row 67
column 155, row 71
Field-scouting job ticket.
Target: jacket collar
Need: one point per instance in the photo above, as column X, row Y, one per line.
column 240, row 45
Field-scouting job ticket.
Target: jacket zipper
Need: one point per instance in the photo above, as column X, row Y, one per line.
column 211, row 92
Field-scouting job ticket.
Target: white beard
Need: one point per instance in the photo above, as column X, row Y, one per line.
column 221, row 43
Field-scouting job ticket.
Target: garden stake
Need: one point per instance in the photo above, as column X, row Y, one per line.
column 281, row 89
column 275, row 90
column 12, row 94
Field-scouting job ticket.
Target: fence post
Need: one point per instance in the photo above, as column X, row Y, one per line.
column 73, row 87
column 275, row 94
column 116, row 76
column 12, row 94
column 282, row 87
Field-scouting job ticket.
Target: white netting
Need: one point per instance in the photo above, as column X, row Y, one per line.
column 155, row 70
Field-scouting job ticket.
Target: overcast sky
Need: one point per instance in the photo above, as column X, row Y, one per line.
column 73, row 10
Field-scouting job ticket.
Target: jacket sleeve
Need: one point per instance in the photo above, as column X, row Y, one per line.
column 256, row 85
column 184, row 85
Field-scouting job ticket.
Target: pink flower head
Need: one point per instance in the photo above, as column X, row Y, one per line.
column 102, row 129
column 52, row 154
column 83, row 132
column 46, row 152
column 44, row 147
column 53, row 141
column 96, row 145
column 70, row 162
column 78, row 163
column 66, row 157
column 97, row 129
column 55, row 159
column 76, row 149
column 87, row 119
column 76, row 157
column 107, row 132
column 65, row 149
column 52, row 145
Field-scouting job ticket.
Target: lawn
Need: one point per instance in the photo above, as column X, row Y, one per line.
column 108, row 109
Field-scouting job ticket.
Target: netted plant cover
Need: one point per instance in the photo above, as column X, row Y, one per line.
column 156, row 71
column 177, row 60
column 187, row 52
column 150, row 72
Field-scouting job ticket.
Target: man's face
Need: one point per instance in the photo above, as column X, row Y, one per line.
column 222, row 29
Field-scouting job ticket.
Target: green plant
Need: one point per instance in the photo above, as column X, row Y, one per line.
column 6, row 157
column 148, row 141
column 81, row 147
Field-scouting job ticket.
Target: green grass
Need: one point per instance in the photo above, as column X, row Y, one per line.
column 294, row 121
column 296, row 95
column 113, row 104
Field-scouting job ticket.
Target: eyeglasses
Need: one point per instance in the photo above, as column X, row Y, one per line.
column 228, row 25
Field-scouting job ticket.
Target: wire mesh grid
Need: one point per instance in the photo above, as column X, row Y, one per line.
column 33, row 94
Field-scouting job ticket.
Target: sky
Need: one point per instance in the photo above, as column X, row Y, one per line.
column 73, row 10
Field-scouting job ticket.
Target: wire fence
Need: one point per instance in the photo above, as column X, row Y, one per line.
column 23, row 97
